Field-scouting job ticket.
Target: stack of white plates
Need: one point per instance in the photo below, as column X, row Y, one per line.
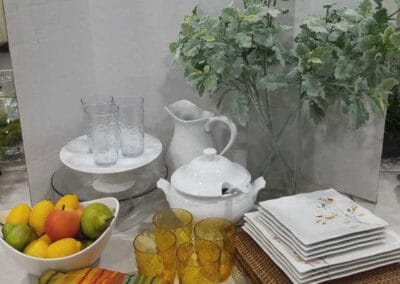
column 323, row 235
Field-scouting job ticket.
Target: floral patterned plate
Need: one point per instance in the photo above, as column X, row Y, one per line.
column 321, row 215
column 323, row 251
column 336, row 242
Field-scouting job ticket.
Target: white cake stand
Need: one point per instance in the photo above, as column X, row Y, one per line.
column 113, row 179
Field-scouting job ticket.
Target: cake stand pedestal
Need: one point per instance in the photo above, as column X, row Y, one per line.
column 128, row 179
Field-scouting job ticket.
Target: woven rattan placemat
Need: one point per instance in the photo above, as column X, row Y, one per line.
column 261, row 269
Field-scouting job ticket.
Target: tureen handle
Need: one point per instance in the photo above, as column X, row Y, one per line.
column 164, row 185
column 258, row 184
column 229, row 123
column 229, row 188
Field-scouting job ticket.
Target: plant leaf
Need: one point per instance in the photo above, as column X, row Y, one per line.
column 211, row 83
column 389, row 83
column 241, row 109
column 376, row 103
column 243, row 40
column 278, row 55
column 370, row 26
column 191, row 49
column 315, row 60
column 366, row 8
column 312, row 86
column 316, row 25
column 237, row 67
column 352, row 15
column 395, row 39
column 273, row 12
column 358, row 115
column 263, row 37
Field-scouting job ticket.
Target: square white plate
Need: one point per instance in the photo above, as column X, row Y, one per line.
column 390, row 244
column 352, row 238
column 319, row 276
column 321, row 215
column 323, row 251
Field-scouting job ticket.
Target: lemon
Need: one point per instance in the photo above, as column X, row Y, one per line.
column 63, row 247
column 45, row 238
column 38, row 216
column 19, row 214
column 69, row 201
column 37, row 248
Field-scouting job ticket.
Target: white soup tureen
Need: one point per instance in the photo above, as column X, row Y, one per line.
column 212, row 186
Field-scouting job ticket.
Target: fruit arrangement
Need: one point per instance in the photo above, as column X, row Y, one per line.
column 55, row 230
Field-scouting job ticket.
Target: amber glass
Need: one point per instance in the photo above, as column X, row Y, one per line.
column 221, row 232
column 198, row 262
column 178, row 221
column 156, row 256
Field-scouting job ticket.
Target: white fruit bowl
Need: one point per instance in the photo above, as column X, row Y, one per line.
column 84, row 258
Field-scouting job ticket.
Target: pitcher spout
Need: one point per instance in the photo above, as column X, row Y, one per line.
column 186, row 111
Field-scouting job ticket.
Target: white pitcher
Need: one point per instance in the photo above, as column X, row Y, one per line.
column 192, row 133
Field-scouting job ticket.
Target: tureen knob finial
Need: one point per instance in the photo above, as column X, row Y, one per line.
column 210, row 153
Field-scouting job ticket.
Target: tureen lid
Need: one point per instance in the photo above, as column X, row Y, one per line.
column 208, row 174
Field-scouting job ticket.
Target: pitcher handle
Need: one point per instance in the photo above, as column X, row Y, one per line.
column 232, row 128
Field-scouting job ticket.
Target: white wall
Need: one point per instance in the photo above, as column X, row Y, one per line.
column 51, row 51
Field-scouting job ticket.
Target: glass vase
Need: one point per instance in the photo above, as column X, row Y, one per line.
column 273, row 143
column 11, row 149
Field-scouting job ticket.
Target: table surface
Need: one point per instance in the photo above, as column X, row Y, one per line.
column 116, row 256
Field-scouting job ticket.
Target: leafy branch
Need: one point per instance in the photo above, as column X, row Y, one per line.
column 347, row 57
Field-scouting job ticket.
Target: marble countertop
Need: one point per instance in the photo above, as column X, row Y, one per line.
column 117, row 257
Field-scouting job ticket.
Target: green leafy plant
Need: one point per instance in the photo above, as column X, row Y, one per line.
column 348, row 57
column 10, row 135
column 232, row 55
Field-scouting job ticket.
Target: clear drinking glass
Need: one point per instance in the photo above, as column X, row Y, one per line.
column 131, row 125
column 93, row 101
column 96, row 100
column 102, row 121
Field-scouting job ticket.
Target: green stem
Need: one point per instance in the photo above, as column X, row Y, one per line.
column 393, row 14
column 110, row 218
column 279, row 136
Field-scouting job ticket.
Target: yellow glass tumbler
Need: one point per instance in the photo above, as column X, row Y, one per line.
column 221, row 232
column 156, row 256
column 198, row 262
column 178, row 221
